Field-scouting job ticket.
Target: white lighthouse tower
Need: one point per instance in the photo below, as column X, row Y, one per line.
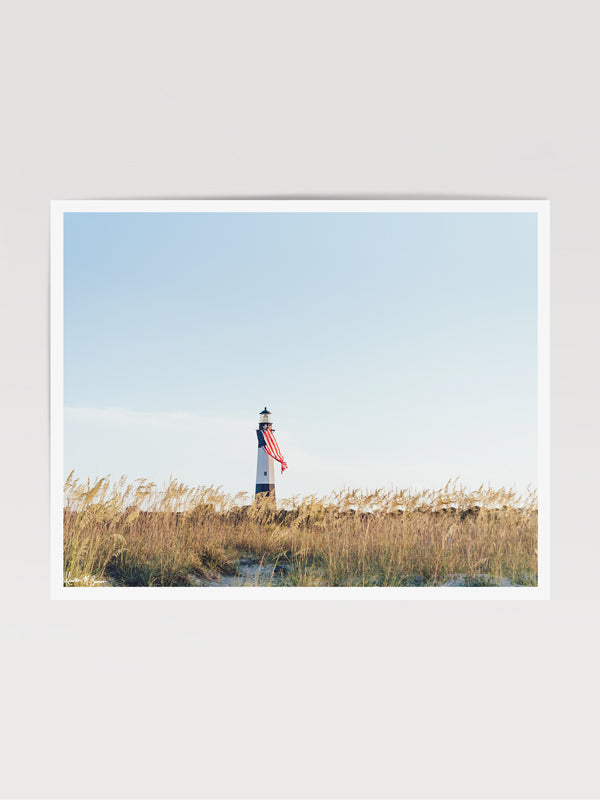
column 265, row 465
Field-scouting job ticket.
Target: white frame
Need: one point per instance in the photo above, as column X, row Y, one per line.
column 418, row 594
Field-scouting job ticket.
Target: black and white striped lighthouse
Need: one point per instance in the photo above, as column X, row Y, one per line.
column 265, row 466
column 268, row 453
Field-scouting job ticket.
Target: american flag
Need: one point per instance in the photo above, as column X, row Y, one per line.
column 266, row 439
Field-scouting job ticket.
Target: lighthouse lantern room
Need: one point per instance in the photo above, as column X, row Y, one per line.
column 265, row 419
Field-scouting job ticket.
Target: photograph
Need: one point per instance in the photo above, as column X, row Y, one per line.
column 298, row 394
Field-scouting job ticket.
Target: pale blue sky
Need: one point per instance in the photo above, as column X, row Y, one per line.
column 394, row 349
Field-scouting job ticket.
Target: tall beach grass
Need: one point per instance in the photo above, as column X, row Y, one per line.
column 137, row 534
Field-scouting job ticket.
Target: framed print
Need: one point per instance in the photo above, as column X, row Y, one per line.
column 273, row 397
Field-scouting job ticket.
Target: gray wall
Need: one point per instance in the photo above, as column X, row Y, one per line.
column 303, row 698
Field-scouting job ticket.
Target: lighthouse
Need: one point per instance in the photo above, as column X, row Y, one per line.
column 268, row 453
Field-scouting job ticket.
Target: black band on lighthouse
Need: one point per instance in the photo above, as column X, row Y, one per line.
column 266, row 488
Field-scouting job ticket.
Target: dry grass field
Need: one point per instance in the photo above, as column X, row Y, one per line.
column 133, row 534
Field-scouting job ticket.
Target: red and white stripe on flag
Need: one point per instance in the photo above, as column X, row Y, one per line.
column 272, row 447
